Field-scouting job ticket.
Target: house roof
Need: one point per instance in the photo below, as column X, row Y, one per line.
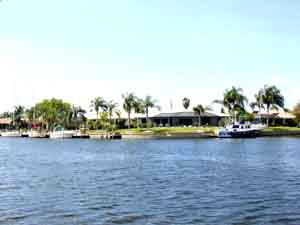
column 5, row 121
column 184, row 114
column 277, row 114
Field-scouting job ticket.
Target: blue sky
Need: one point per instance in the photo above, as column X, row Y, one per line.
column 77, row 50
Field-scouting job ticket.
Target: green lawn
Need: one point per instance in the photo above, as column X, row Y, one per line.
column 168, row 130
column 176, row 130
column 270, row 129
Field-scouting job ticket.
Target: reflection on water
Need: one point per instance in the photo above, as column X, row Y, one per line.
column 253, row 181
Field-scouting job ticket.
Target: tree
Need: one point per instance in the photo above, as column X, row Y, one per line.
column 296, row 112
column 30, row 116
column 149, row 103
column 199, row 110
column 18, row 115
column 234, row 101
column 53, row 112
column 98, row 104
column 112, row 107
column 272, row 99
column 77, row 115
column 6, row 115
column 138, row 108
column 186, row 103
column 258, row 101
column 128, row 105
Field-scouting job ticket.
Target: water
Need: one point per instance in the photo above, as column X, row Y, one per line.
column 251, row 181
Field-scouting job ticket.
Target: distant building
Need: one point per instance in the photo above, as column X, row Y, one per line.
column 5, row 123
column 277, row 117
column 187, row 119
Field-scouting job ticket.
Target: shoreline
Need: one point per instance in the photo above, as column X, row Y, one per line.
column 178, row 135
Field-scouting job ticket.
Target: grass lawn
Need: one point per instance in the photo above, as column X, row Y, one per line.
column 186, row 130
column 168, row 130
column 270, row 129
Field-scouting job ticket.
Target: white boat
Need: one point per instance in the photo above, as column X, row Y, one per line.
column 241, row 130
column 37, row 134
column 60, row 132
column 11, row 134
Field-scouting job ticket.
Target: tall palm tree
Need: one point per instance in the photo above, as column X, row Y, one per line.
column 128, row 105
column 18, row 115
column 77, row 115
column 296, row 112
column 234, row 101
column 98, row 104
column 186, row 103
column 199, row 110
column 112, row 107
column 30, row 115
column 6, row 115
column 138, row 108
column 258, row 101
column 118, row 114
column 149, row 103
column 272, row 99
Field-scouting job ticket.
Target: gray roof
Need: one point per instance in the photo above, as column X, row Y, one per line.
column 183, row 114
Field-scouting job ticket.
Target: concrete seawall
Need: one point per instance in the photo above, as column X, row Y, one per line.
column 204, row 135
column 279, row 133
column 169, row 136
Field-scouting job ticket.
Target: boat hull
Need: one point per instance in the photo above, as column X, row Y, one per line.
column 11, row 134
column 239, row 134
column 37, row 134
column 61, row 135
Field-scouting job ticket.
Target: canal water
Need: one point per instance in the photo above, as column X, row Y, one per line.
column 209, row 181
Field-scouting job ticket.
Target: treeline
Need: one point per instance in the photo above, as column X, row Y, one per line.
column 52, row 112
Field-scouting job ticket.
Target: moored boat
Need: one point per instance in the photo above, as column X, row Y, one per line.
column 80, row 134
column 11, row 134
column 37, row 134
column 241, row 130
column 60, row 133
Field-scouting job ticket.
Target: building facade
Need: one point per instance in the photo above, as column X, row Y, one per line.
column 187, row 119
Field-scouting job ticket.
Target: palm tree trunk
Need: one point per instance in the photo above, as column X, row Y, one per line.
column 97, row 120
column 129, row 121
column 199, row 121
column 268, row 112
column 110, row 119
column 147, row 116
column 137, row 122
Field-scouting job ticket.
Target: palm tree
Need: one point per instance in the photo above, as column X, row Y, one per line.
column 138, row 108
column 118, row 114
column 77, row 115
column 258, row 101
column 186, row 103
column 149, row 103
column 18, row 115
column 112, row 107
column 296, row 112
column 30, row 115
column 272, row 99
column 98, row 104
column 199, row 110
column 128, row 105
column 234, row 101
column 6, row 115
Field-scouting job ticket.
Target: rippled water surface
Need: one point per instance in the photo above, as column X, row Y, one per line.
column 55, row 182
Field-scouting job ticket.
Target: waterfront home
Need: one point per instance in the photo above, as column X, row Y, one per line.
column 5, row 123
column 277, row 117
column 188, row 119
